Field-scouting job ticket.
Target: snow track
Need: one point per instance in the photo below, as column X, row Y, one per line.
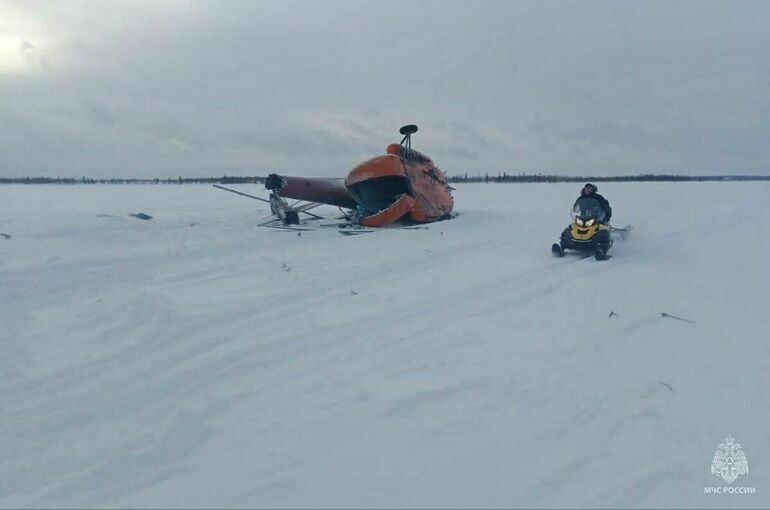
column 195, row 360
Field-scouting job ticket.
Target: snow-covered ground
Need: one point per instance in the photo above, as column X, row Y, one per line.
column 196, row 360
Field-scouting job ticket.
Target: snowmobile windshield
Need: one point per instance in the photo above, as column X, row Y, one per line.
column 587, row 208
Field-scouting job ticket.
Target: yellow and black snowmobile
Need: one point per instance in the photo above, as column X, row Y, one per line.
column 588, row 232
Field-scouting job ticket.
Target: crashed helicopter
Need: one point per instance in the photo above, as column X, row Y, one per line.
column 403, row 185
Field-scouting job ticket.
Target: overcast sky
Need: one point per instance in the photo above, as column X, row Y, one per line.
column 166, row 88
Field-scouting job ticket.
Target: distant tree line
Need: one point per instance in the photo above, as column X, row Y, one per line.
column 523, row 177
column 465, row 178
column 225, row 179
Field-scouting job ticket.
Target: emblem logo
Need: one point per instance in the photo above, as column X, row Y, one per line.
column 729, row 460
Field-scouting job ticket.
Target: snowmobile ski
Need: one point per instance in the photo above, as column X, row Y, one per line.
column 600, row 253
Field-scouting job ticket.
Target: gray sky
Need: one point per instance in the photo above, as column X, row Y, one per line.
column 166, row 88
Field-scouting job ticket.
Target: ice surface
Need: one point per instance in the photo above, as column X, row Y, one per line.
column 196, row 360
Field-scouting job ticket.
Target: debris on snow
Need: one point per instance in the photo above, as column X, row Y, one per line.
column 664, row 315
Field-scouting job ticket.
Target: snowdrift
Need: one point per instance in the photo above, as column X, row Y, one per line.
column 194, row 360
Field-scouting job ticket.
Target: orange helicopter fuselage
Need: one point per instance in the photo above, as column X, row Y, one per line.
column 405, row 182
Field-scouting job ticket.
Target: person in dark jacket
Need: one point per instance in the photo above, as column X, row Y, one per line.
column 590, row 190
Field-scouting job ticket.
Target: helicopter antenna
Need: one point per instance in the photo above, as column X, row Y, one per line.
column 407, row 131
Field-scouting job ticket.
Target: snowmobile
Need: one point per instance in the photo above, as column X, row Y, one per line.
column 588, row 232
